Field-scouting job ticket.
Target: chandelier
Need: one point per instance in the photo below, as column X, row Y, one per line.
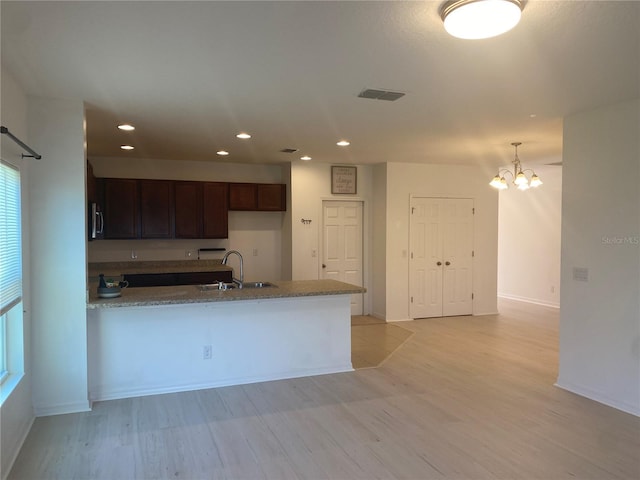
column 519, row 176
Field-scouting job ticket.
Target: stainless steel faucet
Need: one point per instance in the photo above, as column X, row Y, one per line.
column 224, row 262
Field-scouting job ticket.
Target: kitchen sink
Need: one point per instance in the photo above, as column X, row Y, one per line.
column 258, row 285
column 216, row 286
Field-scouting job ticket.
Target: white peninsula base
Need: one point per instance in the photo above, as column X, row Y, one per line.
column 135, row 351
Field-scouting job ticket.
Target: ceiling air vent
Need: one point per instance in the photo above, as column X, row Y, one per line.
column 289, row 150
column 380, row 94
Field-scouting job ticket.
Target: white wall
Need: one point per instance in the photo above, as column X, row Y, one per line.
column 404, row 180
column 251, row 341
column 600, row 317
column 16, row 410
column 58, row 225
column 258, row 233
column 310, row 185
column 529, row 240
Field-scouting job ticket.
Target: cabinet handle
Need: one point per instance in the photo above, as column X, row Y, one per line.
column 439, row 263
column 324, row 266
column 101, row 217
column 447, row 263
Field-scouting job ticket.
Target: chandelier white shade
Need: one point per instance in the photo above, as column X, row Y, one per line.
column 519, row 176
column 476, row 19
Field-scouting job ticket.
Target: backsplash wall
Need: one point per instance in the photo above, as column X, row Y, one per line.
column 256, row 235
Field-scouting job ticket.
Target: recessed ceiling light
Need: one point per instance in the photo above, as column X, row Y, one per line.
column 533, row 115
column 343, row 143
column 126, row 147
column 305, row 158
column 127, row 127
column 243, row 135
column 222, row 152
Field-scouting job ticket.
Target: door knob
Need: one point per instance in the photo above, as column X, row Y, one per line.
column 439, row 263
column 324, row 266
column 447, row 263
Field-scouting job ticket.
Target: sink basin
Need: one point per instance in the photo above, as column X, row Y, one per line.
column 216, row 286
column 258, row 285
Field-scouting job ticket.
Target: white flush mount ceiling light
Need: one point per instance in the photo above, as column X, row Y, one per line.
column 126, row 127
column 343, row 143
column 222, row 153
column 476, row 19
column 126, row 147
column 306, row 158
column 519, row 176
column 243, row 135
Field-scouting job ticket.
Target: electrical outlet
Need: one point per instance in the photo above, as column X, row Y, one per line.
column 134, row 255
column 206, row 352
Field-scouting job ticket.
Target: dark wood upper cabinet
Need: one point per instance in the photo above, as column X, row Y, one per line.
column 156, row 209
column 120, row 208
column 257, row 196
column 188, row 209
column 215, row 207
column 178, row 209
column 243, row 196
column 272, row 197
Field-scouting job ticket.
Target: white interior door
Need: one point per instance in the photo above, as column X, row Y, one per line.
column 457, row 255
column 425, row 263
column 441, row 259
column 342, row 246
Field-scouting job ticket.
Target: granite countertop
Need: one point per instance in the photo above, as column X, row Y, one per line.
column 186, row 294
column 117, row 269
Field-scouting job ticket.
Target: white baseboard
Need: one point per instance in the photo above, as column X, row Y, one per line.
column 63, row 408
column 529, row 300
column 17, row 447
column 115, row 394
column 599, row 397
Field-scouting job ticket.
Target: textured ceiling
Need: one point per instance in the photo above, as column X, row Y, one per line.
column 190, row 75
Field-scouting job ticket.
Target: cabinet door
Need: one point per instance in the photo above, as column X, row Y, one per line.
column 156, row 209
column 120, row 208
column 188, row 209
column 215, row 209
column 272, row 197
column 243, row 196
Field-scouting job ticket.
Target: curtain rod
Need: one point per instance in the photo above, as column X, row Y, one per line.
column 24, row 146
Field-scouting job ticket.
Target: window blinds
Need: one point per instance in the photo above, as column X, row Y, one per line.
column 10, row 238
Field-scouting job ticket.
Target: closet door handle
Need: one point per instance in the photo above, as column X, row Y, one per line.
column 439, row 263
column 447, row 263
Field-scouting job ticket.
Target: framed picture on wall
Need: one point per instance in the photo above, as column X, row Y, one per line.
column 344, row 180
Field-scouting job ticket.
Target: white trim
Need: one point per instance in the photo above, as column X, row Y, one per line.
column 62, row 408
column 18, row 446
column 115, row 394
column 528, row 300
column 599, row 397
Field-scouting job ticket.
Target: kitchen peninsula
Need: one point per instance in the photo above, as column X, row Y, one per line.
column 168, row 339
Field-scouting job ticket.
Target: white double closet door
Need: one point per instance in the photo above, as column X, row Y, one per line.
column 441, row 259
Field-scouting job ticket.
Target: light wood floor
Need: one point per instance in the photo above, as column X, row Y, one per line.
column 462, row 398
column 374, row 340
